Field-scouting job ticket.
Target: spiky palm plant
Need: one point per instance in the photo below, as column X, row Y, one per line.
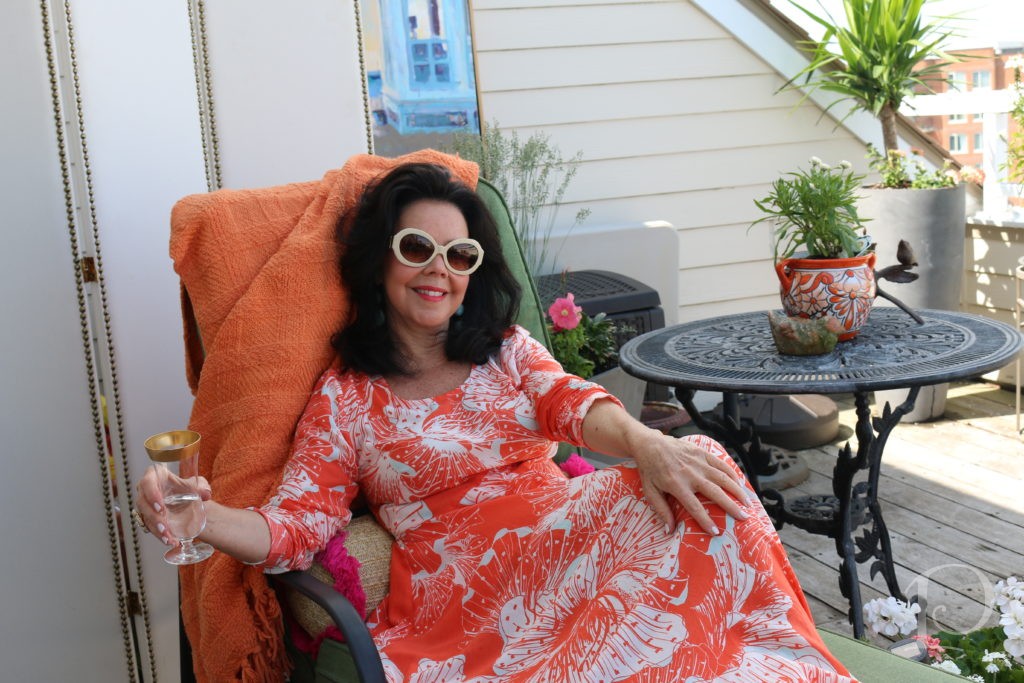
column 872, row 59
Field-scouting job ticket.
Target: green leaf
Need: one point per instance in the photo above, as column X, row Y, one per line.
column 588, row 348
column 870, row 60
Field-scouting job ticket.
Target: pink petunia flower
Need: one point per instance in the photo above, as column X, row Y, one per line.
column 933, row 645
column 565, row 314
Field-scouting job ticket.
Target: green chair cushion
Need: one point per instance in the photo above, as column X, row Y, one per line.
column 530, row 314
column 867, row 663
column 870, row 664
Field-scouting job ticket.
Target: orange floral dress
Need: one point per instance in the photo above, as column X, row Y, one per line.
column 505, row 570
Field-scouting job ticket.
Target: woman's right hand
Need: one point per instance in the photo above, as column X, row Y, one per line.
column 149, row 501
column 239, row 532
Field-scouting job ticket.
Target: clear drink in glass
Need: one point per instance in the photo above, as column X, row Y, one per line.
column 175, row 455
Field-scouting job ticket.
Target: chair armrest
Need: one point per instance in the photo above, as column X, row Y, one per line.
column 346, row 618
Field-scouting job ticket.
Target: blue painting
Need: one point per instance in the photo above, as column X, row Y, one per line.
column 420, row 78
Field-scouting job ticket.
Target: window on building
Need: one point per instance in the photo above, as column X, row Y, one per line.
column 981, row 79
column 958, row 143
column 979, row 142
column 957, row 80
column 957, row 118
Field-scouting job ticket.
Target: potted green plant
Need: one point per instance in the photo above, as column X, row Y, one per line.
column 583, row 345
column 822, row 256
column 872, row 60
column 587, row 346
column 925, row 208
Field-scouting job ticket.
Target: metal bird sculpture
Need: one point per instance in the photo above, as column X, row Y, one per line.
column 899, row 273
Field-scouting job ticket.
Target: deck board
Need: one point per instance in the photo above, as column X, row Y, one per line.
column 952, row 492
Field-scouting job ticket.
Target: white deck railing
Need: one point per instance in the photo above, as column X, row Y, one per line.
column 994, row 105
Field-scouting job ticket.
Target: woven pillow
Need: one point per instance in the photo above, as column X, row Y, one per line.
column 370, row 544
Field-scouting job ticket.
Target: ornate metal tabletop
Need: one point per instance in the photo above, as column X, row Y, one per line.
column 735, row 353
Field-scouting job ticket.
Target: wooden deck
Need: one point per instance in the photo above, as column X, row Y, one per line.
column 952, row 493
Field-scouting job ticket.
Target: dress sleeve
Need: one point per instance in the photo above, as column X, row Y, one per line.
column 561, row 400
column 313, row 501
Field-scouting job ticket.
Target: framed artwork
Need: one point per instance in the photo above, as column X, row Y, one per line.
column 420, row 76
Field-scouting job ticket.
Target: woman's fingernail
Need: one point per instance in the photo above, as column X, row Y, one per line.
column 715, row 531
column 741, row 515
column 160, row 527
column 157, row 507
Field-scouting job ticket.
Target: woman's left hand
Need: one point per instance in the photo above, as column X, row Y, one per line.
column 681, row 469
column 669, row 467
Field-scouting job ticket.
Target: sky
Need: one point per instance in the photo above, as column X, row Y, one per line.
column 985, row 23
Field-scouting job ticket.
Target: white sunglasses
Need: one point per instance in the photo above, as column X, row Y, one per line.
column 416, row 248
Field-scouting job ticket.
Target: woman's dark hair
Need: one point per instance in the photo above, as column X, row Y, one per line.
column 492, row 297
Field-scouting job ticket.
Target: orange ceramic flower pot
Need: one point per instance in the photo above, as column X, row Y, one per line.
column 841, row 288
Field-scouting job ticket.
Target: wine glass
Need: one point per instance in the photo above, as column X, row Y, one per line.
column 175, row 455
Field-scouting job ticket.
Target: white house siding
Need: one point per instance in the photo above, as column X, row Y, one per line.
column 992, row 253
column 677, row 120
column 989, row 288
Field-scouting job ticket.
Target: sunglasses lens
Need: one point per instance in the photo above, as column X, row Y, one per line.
column 462, row 257
column 416, row 248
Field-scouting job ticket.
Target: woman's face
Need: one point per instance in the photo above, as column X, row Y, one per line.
column 422, row 300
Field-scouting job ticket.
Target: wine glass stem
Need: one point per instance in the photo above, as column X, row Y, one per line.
column 186, row 547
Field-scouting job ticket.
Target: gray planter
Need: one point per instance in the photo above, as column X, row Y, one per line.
column 932, row 222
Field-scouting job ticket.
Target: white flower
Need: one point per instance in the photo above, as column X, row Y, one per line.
column 845, row 165
column 815, row 161
column 1007, row 591
column 1015, row 646
column 947, row 665
column 993, row 656
column 976, row 678
column 992, row 668
column 890, row 616
column 1012, row 619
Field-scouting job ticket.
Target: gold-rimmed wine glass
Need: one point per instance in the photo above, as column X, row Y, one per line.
column 175, row 457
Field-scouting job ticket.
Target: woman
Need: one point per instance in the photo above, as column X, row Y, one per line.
column 444, row 415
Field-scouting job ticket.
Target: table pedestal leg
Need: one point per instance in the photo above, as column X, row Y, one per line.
column 874, row 543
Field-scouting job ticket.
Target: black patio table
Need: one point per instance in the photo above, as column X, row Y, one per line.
column 735, row 353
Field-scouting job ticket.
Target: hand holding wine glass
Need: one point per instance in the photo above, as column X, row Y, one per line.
column 174, row 492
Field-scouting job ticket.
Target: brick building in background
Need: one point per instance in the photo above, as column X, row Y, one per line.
column 981, row 71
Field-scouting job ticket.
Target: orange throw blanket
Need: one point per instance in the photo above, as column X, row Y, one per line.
column 259, row 271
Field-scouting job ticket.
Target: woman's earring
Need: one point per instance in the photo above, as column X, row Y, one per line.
column 455, row 323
